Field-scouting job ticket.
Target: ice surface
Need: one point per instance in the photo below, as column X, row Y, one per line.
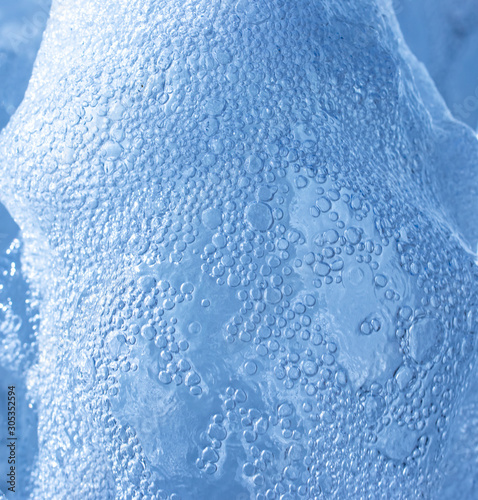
column 444, row 35
column 251, row 226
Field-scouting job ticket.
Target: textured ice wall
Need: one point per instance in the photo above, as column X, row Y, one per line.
column 251, row 227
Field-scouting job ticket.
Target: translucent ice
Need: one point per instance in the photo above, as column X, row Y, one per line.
column 444, row 35
column 252, row 228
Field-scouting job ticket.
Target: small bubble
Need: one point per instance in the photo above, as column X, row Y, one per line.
column 194, row 327
column 215, row 106
column 210, row 455
column 192, row 378
column 254, row 164
column 301, row 182
column 285, row 410
column 310, row 367
column 212, row 218
column 148, row 332
column 355, row 276
column 353, row 235
column 187, row 288
column 210, row 468
column 217, row 431
column 322, row 269
column 233, row 280
column 406, row 312
column 404, row 377
column 164, row 377
column 259, row 216
column 248, row 469
column 265, row 193
column 147, row 283
column 380, row 281
column 250, row 367
column 253, row 11
column 426, row 338
column 323, row 204
column 222, row 55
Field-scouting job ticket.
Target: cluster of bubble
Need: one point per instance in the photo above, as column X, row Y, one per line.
column 259, row 296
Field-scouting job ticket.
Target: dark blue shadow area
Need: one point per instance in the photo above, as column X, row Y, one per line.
column 18, row 351
column 8, row 229
column 26, row 445
column 22, row 23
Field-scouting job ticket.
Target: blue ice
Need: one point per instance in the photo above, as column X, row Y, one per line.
column 245, row 259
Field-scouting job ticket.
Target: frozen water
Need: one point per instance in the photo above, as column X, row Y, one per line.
column 250, row 226
column 444, row 35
